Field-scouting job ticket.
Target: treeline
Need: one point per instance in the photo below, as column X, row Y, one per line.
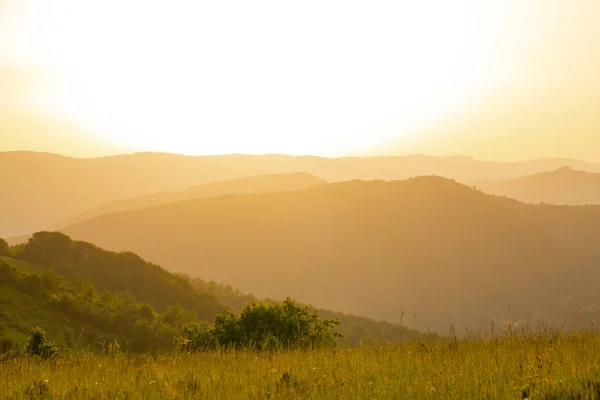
column 108, row 296
column 117, row 272
column 108, row 316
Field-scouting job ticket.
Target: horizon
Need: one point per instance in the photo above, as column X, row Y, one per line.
column 379, row 80
column 484, row 160
column 316, row 199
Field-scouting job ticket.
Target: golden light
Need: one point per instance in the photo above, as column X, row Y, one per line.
column 319, row 77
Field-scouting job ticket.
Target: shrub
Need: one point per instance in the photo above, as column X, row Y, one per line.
column 38, row 345
column 262, row 326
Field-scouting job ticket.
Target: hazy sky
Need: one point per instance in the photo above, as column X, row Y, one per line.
column 505, row 79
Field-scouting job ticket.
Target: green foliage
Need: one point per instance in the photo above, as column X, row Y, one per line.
column 47, row 248
column 117, row 272
column 100, row 317
column 265, row 325
column 4, row 248
column 38, row 345
column 119, row 296
column 374, row 331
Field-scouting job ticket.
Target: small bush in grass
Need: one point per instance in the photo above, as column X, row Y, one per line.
column 38, row 345
column 264, row 326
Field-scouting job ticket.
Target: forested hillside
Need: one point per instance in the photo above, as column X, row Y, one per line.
column 379, row 249
column 85, row 296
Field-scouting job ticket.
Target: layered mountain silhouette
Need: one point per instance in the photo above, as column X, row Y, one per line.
column 562, row 186
column 459, row 256
column 40, row 190
column 254, row 184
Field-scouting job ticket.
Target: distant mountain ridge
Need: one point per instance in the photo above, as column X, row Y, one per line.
column 254, row 184
column 40, row 189
column 563, row 186
column 376, row 248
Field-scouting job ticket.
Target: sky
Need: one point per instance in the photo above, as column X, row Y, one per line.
column 497, row 79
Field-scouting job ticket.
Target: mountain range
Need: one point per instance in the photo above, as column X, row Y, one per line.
column 457, row 255
column 562, row 186
column 42, row 191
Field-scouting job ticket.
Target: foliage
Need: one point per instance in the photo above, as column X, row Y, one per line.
column 356, row 330
column 264, row 325
column 117, row 272
column 102, row 317
column 39, row 345
column 4, row 248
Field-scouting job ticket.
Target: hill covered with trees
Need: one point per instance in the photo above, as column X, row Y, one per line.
column 381, row 249
column 86, row 296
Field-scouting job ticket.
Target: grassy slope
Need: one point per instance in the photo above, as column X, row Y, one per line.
column 376, row 248
column 24, row 265
column 20, row 313
column 544, row 367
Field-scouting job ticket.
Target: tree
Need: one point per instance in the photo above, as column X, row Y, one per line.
column 8, row 274
column 47, row 248
column 4, row 248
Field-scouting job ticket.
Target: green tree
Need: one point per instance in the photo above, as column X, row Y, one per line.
column 38, row 345
column 47, row 248
column 8, row 274
column 4, row 248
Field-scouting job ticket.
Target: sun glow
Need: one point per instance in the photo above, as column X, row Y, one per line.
column 317, row 77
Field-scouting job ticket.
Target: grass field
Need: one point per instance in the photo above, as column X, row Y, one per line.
column 565, row 366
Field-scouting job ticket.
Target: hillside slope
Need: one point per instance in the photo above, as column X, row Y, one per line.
column 74, row 288
column 42, row 189
column 564, row 186
column 376, row 248
column 253, row 184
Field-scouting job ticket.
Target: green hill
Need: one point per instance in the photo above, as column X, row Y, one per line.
column 85, row 296
column 76, row 315
column 376, row 248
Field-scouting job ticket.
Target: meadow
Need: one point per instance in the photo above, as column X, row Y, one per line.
column 513, row 366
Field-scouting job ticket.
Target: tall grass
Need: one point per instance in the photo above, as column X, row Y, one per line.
column 515, row 366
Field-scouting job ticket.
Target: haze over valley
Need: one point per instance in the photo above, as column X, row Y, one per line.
column 315, row 200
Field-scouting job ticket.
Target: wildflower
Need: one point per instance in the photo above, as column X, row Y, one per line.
column 273, row 370
column 46, row 382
